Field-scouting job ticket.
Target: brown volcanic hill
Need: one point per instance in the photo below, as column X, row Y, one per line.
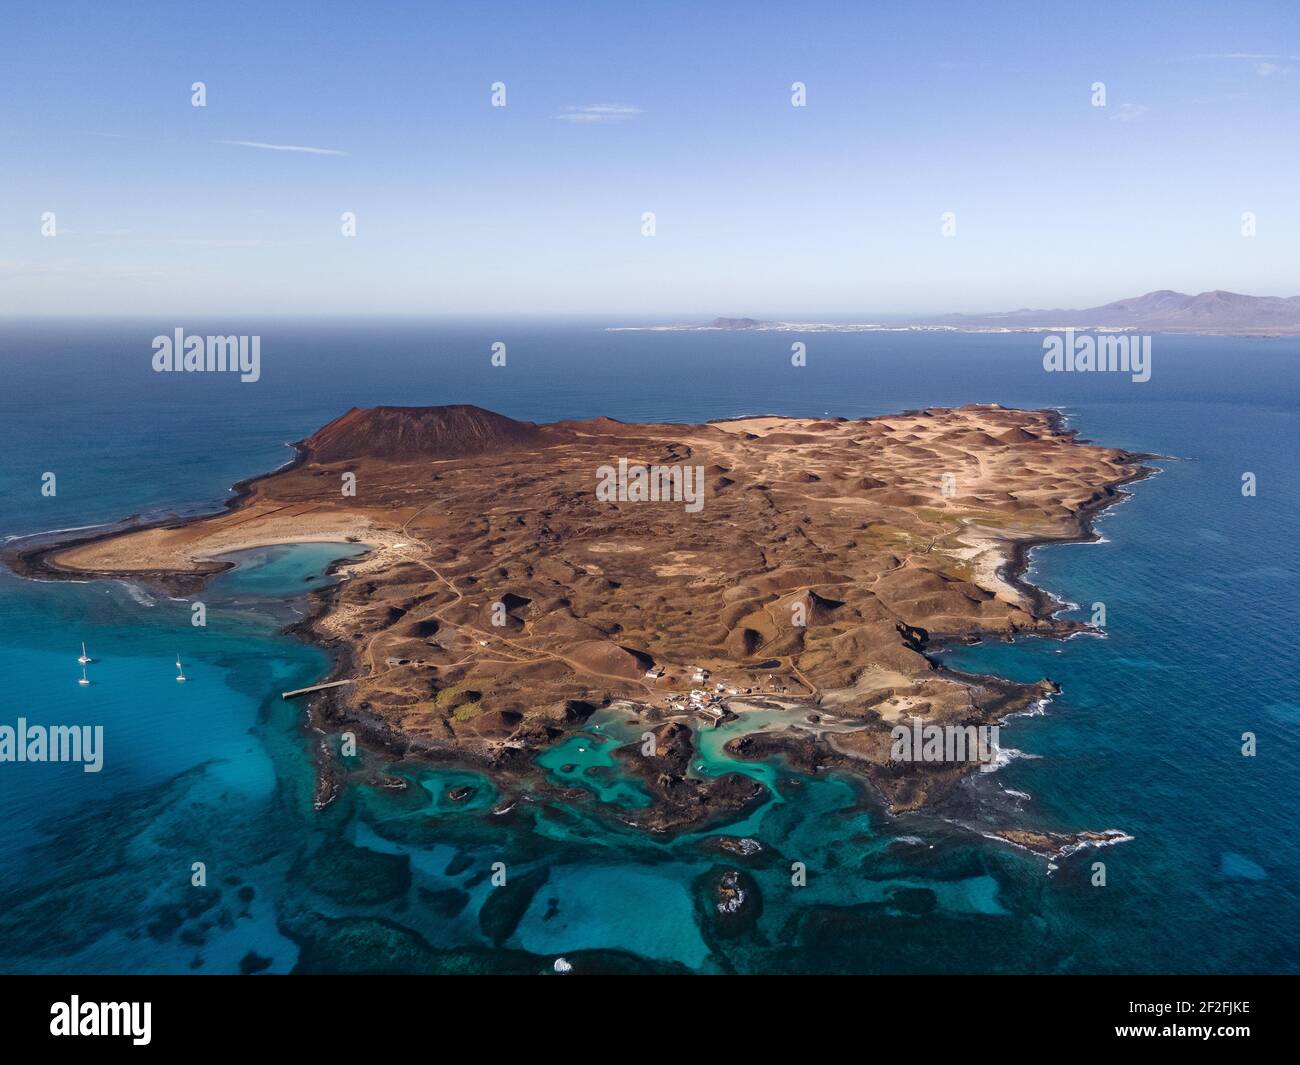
column 1016, row 435
column 453, row 431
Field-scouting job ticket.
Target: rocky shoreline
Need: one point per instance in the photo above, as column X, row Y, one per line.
column 679, row 799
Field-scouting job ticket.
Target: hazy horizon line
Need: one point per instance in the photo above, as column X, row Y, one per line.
column 617, row 317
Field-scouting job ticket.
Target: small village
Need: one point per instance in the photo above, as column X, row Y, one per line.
column 710, row 703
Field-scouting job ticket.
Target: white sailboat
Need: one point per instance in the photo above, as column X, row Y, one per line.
column 180, row 673
column 84, row 679
column 84, row 657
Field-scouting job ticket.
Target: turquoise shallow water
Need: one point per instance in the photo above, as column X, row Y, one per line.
column 1198, row 583
column 586, row 760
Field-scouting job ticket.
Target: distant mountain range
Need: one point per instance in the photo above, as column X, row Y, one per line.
column 1159, row 312
column 1209, row 313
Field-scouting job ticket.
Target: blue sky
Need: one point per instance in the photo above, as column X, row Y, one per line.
column 615, row 109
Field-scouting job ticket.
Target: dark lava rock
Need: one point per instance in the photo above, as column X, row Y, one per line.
column 168, row 919
column 253, row 963
column 458, row 864
column 680, row 799
column 347, row 873
column 377, row 945
column 917, row 901
column 741, row 846
column 731, row 902
column 368, row 945
column 447, row 902
column 194, row 937
column 505, row 906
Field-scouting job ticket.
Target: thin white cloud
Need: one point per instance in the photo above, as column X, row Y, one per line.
column 1266, row 64
column 1243, row 55
column 1130, row 112
column 219, row 242
column 286, row 147
column 596, row 114
column 72, row 268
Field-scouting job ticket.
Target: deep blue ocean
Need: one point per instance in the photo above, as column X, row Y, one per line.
column 1199, row 584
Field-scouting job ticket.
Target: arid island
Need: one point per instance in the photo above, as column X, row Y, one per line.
column 518, row 580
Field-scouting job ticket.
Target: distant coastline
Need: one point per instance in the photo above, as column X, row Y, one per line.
column 1216, row 313
column 850, row 327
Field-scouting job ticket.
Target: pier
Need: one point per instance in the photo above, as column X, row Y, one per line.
column 314, row 688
